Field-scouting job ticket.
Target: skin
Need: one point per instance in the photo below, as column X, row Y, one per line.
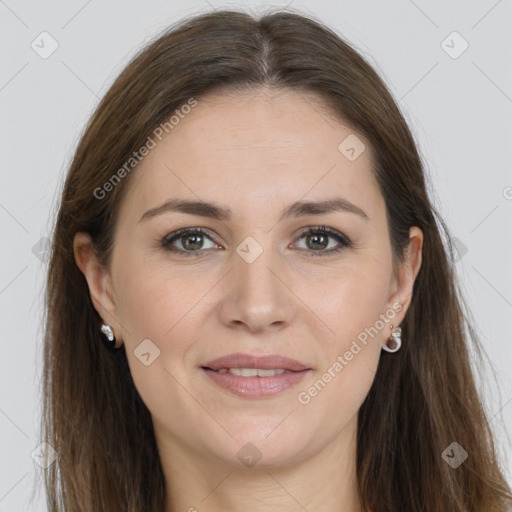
column 255, row 152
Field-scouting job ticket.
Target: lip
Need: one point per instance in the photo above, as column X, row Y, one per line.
column 255, row 387
column 240, row 360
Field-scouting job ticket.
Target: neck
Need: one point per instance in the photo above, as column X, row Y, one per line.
column 324, row 482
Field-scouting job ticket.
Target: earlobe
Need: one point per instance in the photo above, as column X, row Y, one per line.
column 98, row 279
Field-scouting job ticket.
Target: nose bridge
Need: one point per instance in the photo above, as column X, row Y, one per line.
column 253, row 271
column 256, row 297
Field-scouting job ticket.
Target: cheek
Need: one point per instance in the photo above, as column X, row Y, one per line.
column 153, row 299
column 163, row 304
column 156, row 304
column 353, row 300
column 355, row 313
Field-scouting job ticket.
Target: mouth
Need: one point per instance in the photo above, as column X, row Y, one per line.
column 255, row 376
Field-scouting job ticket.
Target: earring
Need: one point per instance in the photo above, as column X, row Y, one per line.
column 109, row 338
column 396, row 343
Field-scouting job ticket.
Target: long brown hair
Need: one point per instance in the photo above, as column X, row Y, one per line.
column 423, row 398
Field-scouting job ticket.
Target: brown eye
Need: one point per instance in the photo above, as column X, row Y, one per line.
column 192, row 241
column 317, row 241
column 323, row 241
column 188, row 241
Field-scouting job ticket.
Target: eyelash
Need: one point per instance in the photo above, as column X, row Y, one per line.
column 343, row 241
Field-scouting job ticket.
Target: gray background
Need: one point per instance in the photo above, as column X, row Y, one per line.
column 460, row 110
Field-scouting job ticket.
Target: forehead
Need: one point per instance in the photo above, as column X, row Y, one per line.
column 260, row 146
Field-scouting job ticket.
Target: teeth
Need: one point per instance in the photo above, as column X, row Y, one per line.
column 252, row 372
column 269, row 373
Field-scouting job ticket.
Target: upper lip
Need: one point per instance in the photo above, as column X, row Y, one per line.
column 268, row 362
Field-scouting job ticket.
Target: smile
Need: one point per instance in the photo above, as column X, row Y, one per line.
column 252, row 376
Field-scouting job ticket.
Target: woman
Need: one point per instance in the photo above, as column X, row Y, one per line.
column 249, row 303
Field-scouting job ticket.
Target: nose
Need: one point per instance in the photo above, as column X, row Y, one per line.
column 256, row 296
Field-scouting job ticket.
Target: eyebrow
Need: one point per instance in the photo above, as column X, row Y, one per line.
column 215, row 211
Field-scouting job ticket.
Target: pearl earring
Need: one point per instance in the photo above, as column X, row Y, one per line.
column 109, row 338
column 396, row 340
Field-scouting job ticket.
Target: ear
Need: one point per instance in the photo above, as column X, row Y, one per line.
column 407, row 271
column 98, row 279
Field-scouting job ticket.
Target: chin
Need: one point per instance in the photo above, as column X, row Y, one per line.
column 263, row 449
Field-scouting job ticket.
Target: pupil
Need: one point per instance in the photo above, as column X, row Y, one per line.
column 315, row 237
column 195, row 244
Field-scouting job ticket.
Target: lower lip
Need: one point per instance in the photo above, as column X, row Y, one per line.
column 256, row 387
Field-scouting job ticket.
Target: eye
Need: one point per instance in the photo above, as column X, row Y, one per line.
column 319, row 241
column 188, row 241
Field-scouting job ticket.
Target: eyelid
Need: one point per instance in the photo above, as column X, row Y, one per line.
column 175, row 235
column 343, row 241
column 321, row 228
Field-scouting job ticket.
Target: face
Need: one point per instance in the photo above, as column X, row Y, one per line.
column 262, row 279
